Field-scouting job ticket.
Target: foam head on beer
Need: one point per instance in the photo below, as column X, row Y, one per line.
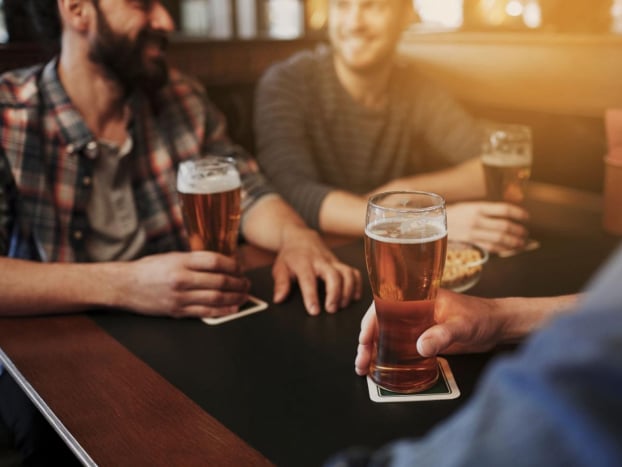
column 206, row 176
column 210, row 192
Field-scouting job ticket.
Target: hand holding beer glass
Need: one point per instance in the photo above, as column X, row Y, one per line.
column 405, row 243
column 210, row 192
column 210, row 195
column 507, row 158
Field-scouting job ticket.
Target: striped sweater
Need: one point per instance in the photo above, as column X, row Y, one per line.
column 312, row 137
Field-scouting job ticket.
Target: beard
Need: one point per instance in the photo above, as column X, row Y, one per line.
column 124, row 61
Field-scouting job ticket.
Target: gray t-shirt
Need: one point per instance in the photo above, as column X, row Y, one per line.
column 312, row 137
column 115, row 233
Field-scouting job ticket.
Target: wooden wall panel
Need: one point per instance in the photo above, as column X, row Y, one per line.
column 566, row 74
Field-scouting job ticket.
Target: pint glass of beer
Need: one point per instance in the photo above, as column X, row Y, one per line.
column 405, row 243
column 209, row 191
column 506, row 157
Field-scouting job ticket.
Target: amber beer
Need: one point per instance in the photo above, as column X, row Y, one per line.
column 209, row 191
column 506, row 176
column 405, row 259
column 506, row 158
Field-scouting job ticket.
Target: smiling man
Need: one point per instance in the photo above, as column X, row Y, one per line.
column 342, row 122
column 89, row 216
column 89, row 150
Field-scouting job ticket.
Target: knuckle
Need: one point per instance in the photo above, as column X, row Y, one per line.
column 499, row 237
column 218, row 299
column 176, row 309
column 208, row 260
column 177, row 280
column 443, row 334
column 508, row 228
column 212, row 261
column 221, row 282
column 335, row 276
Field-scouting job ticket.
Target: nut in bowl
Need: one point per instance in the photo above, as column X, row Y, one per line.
column 463, row 266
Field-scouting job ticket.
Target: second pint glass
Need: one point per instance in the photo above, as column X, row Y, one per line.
column 405, row 243
column 209, row 191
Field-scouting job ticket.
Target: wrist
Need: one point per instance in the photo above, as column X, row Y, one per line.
column 514, row 322
column 521, row 316
column 112, row 285
column 294, row 232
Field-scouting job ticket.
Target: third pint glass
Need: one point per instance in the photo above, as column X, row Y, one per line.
column 405, row 243
column 209, row 191
column 506, row 157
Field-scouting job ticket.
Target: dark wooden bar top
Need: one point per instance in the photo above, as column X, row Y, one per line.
column 111, row 404
column 115, row 407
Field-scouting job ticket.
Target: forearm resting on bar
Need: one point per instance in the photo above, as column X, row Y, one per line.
column 522, row 316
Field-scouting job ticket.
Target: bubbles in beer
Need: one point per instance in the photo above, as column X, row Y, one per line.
column 406, row 230
column 405, row 257
column 506, row 176
column 210, row 194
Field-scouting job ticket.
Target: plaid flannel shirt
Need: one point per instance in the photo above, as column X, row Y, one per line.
column 46, row 163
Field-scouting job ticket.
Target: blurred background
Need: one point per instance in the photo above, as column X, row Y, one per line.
column 551, row 64
column 296, row 18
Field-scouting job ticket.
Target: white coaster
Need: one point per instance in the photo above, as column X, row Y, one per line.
column 253, row 305
column 445, row 388
column 529, row 246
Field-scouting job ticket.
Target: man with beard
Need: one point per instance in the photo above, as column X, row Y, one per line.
column 89, row 216
column 338, row 124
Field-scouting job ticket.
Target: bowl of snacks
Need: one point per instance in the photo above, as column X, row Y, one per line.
column 463, row 265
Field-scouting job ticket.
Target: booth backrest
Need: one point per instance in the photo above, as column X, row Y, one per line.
column 559, row 85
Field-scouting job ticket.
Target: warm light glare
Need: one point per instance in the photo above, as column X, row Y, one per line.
column 514, row 8
column 447, row 13
column 532, row 16
column 492, row 12
column 4, row 35
column 616, row 17
column 317, row 13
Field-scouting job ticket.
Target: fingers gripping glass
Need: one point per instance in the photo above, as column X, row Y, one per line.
column 210, row 195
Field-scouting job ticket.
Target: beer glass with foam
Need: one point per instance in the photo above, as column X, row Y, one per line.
column 506, row 157
column 405, row 243
column 210, row 190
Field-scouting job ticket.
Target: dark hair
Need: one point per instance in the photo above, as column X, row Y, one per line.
column 46, row 20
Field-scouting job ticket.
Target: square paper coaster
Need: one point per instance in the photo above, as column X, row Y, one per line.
column 529, row 246
column 253, row 305
column 445, row 388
